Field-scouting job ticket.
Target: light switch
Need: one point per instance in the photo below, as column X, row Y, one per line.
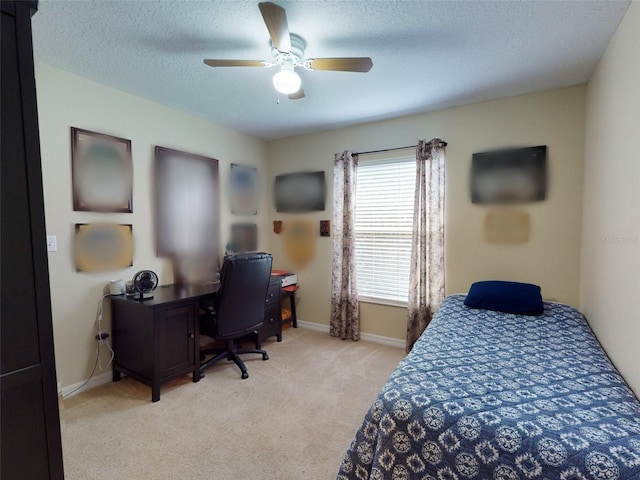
column 52, row 243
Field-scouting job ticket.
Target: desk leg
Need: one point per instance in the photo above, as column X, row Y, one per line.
column 115, row 375
column 155, row 392
column 294, row 317
column 196, row 348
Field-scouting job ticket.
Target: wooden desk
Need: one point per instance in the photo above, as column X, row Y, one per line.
column 156, row 341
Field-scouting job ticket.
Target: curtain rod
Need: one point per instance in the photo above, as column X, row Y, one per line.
column 444, row 144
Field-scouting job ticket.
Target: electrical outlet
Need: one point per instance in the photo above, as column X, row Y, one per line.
column 102, row 335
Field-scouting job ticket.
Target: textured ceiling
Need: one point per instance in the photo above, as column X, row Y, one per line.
column 426, row 54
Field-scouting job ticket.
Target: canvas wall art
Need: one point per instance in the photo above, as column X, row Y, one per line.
column 243, row 189
column 507, row 227
column 300, row 192
column 102, row 172
column 187, row 205
column 509, row 176
column 101, row 247
column 300, row 241
column 244, row 237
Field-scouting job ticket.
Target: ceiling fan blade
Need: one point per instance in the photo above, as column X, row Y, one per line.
column 235, row 63
column 275, row 18
column 298, row 95
column 346, row 64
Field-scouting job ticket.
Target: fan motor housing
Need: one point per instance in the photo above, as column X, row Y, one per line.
column 298, row 46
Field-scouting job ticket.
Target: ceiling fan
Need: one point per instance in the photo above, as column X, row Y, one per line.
column 288, row 53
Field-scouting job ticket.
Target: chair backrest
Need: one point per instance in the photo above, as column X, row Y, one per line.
column 240, row 301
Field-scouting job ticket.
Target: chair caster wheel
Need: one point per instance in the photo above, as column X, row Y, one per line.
column 265, row 357
column 201, row 374
column 245, row 375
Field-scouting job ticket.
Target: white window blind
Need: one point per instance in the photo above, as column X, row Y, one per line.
column 383, row 227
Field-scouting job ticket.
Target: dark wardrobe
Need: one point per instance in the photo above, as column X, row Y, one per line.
column 29, row 420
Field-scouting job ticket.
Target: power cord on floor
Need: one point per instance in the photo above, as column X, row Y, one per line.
column 102, row 341
column 87, row 380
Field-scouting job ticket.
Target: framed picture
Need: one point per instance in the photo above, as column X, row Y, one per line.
column 299, row 242
column 102, row 247
column 244, row 237
column 187, row 204
column 102, row 172
column 509, row 176
column 507, row 227
column 243, row 189
column 300, row 192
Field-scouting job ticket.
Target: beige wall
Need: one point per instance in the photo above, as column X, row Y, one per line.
column 609, row 279
column 66, row 100
column 551, row 257
column 554, row 118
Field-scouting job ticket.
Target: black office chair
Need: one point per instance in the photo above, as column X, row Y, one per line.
column 238, row 307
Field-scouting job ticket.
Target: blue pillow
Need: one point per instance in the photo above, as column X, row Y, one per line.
column 509, row 297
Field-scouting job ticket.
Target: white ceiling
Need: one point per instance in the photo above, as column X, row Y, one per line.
column 426, row 54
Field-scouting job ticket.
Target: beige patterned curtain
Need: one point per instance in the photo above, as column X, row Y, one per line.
column 426, row 280
column 345, row 315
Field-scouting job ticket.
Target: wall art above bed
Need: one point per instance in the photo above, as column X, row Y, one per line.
column 509, row 176
column 506, row 227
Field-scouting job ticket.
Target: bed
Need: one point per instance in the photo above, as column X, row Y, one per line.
column 490, row 395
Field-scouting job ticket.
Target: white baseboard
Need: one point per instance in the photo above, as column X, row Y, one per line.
column 106, row 377
column 369, row 337
column 70, row 390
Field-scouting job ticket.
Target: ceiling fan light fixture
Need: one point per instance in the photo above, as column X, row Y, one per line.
column 288, row 51
column 287, row 81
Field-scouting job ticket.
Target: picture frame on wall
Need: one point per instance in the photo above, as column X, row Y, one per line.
column 300, row 192
column 243, row 190
column 102, row 172
column 102, row 246
column 244, row 237
column 509, row 176
column 186, row 204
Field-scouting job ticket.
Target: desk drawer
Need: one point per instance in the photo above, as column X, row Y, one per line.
column 273, row 294
column 272, row 315
column 272, row 323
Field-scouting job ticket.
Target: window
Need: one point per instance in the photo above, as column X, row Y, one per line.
column 383, row 228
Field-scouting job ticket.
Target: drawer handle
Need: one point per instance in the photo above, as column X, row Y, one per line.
column 192, row 335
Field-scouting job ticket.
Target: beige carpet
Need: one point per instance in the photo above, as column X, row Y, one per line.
column 293, row 418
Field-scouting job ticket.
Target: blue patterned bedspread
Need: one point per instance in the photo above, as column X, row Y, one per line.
column 488, row 395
